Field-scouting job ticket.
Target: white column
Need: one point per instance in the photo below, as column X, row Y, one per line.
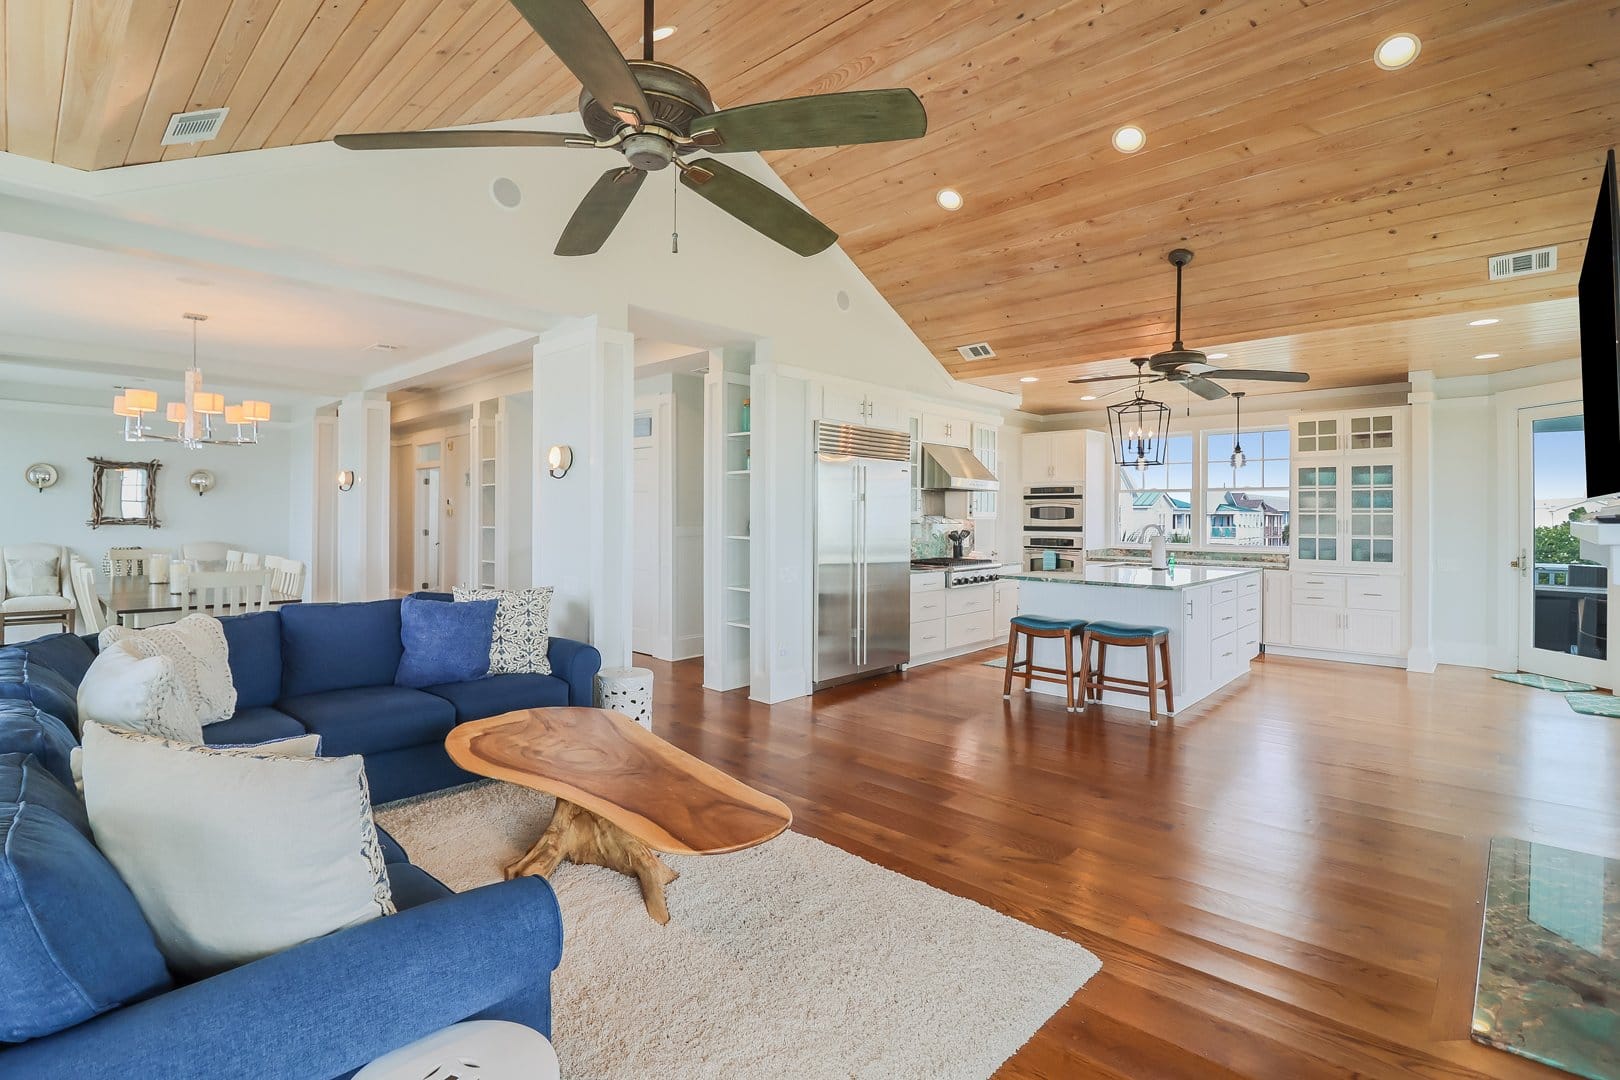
column 363, row 541
column 583, row 389
column 1420, row 652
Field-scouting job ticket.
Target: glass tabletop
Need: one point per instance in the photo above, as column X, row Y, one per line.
column 1549, row 963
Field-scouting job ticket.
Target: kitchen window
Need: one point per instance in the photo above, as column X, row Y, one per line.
column 1247, row 506
column 1159, row 495
column 986, row 447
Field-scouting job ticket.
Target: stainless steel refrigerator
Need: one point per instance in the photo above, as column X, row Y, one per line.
column 863, row 552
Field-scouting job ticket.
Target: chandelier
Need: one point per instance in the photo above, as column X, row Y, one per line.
column 193, row 418
column 1139, row 428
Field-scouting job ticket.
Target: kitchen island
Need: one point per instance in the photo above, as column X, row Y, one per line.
column 1213, row 614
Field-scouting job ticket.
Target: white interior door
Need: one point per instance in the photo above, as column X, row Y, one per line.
column 427, row 529
column 1563, row 599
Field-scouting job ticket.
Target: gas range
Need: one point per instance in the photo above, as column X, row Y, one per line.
column 959, row 572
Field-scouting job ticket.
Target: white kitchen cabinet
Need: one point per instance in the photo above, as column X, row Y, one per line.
column 1275, row 624
column 859, row 407
column 1357, row 615
column 949, row 622
column 973, row 628
column 969, row 599
column 1371, row 633
column 1318, row 627
column 1006, row 603
column 947, row 430
column 1056, row 457
column 1197, row 622
column 1348, row 504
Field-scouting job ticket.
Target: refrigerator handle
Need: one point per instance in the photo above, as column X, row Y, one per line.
column 860, row 562
column 855, row 564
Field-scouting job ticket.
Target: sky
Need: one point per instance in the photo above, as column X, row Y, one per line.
column 1560, row 465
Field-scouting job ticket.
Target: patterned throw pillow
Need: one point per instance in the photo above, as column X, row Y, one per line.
column 196, row 647
column 33, row 577
column 522, row 633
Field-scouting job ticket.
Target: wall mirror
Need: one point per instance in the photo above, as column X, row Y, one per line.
column 123, row 493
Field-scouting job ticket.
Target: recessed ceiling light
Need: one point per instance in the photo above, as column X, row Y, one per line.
column 1484, row 322
column 1396, row 51
column 1129, row 139
column 1216, row 356
column 949, row 199
column 663, row 32
column 1486, row 355
column 1029, row 378
column 1088, row 397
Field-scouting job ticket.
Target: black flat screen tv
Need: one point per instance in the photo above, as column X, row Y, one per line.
column 1600, row 342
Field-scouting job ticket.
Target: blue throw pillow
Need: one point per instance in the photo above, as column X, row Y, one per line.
column 444, row 643
column 73, row 942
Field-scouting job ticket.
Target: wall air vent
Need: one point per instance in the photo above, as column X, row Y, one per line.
column 194, row 127
column 979, row 350
column 1523, row 263
column 381, row 346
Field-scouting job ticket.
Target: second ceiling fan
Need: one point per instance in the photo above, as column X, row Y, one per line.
column 1189, row 367
column 657, row 114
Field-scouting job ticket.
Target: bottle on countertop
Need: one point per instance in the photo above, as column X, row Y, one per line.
column 746, row 408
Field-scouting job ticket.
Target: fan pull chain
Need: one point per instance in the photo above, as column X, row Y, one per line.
column 675, row 216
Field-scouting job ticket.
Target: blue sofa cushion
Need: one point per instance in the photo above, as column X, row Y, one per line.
column 73, row 942
column 370, row 719
column 66, row 654
column 21, row 676
column 501, row 694
column 412, row 886
column 254, row 643
column 338, row 646
column 391, row 851
column 255, row 725
column 444, row 643
column 25, row 729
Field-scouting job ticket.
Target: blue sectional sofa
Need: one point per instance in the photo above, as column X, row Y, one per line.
column 93, row 1005
column 329, row 669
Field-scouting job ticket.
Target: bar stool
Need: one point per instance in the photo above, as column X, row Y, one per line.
column 1095, row 677
column 1031, row 627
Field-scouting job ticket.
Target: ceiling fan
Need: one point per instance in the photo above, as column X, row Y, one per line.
column 1189, row 367
column 657, row 114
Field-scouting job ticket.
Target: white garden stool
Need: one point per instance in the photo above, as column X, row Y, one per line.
column 627, row 690
column 475, row 1050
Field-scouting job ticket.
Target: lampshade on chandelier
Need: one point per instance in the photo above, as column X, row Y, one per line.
column 1139, row 428
column 193, row 418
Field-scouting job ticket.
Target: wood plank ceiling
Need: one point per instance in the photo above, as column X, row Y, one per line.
column 1320, row 192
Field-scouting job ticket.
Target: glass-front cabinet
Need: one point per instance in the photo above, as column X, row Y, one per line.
column 1345, row 510
column 1372, row 514
column 1316, row 513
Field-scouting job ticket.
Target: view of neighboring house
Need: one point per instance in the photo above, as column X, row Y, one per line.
column 1243, row 521
column 1159, row 508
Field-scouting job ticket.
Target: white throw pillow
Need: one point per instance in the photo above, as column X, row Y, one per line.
column 33, row 577
column 123, row 689
column 197, row 648
column 521, row 638
column 234, row 854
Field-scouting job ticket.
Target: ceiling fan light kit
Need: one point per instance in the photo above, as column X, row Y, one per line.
column 656, row 115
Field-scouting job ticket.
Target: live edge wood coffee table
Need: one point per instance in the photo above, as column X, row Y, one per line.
column 623, row 794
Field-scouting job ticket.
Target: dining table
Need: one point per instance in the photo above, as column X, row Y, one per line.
column 136, row 595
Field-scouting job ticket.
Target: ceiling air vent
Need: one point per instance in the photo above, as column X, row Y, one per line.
column 979, row 350
column 381, row 346
column 1522, row 263
column 194, row 127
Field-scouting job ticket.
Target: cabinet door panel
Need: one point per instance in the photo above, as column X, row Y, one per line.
column 1197, row 667
column 1373, row 632
column 1318, row 627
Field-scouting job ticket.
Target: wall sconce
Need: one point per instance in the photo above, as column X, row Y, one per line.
column 41, row 476
column 560, row 459
column 345, row 479
column 201, row 481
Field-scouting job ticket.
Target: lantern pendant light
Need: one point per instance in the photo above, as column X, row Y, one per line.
column 1239, row 458
column 1139, row 428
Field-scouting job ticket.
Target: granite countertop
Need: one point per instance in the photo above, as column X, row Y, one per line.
column 1267, row 560
column 1135, row 577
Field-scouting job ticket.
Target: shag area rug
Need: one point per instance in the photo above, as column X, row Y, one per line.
column 790, row 960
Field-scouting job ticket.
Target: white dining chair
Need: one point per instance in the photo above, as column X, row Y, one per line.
column 252, row 561
column 211, row 552
column 226, row 592
column 233, row 559
column 287, row 575
column 93, row 618
column 36, row 587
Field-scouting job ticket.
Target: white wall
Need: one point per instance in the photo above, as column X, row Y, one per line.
column 248, row 507
column 1464, row 491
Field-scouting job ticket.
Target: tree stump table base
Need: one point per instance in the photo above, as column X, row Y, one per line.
column 580, row 836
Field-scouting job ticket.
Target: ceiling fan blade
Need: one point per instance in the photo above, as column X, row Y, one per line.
column 580, row 42
column 1204, row 388
column 757, row 206
column 1258, row 375
column 417, row 140
column 859, row 116
column 600, row 211
column 1104, row 378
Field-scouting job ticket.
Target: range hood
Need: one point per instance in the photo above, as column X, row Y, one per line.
column 952, row 468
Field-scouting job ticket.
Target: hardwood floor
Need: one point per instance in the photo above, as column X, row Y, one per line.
column 1286, row 883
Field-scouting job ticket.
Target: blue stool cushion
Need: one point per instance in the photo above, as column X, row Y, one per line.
column 1037, row 622
column 1126, row 630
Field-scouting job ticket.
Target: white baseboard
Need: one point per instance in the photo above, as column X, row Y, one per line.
column 1337, row 657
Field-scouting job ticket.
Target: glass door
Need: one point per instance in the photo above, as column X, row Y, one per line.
column 1316, row 519
column 1563, row 598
